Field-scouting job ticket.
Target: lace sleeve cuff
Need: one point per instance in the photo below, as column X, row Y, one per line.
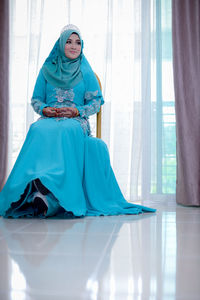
column 89, row 109
column 38, row 106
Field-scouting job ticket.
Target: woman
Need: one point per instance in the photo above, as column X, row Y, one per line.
column 61, row 169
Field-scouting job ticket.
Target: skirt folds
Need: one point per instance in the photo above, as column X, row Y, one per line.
column 75, row 169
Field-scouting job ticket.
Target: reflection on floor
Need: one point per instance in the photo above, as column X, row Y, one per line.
column 150, row 256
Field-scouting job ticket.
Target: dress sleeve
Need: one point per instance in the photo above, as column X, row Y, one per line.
column 92, row 104
column 38, row 100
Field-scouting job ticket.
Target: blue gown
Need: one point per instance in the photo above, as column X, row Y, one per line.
column 70, row 163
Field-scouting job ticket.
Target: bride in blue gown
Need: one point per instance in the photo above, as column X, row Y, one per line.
column 61, row 169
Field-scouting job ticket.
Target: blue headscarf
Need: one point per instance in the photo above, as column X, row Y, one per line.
column 63, row 72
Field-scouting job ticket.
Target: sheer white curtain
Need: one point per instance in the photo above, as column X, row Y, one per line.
column 128, row 43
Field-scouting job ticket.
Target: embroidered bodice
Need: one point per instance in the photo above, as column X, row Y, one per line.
column 87, row 103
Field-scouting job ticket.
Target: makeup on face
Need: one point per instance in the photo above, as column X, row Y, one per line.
column 73, row 46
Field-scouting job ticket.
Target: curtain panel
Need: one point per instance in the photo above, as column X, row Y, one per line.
column 4, row 100
column 186, row 61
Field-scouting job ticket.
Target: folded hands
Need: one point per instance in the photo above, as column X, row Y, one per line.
column 69, row 112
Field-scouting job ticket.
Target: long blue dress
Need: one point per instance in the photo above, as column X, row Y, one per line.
column 69, row 162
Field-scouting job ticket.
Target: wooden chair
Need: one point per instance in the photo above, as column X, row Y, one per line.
column 98, row 120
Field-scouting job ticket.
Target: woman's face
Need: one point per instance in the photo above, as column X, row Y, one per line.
column 73, row 46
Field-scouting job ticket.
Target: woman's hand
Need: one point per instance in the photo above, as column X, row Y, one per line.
column 49, row 112
column 69, row 112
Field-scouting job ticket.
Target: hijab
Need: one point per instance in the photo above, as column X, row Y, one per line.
column 62, row 72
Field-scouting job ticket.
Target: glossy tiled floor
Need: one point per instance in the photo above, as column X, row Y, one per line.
column 150, row 256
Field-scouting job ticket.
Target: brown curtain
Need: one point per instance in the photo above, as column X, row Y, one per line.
column 186, row 60
column 4, row 101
